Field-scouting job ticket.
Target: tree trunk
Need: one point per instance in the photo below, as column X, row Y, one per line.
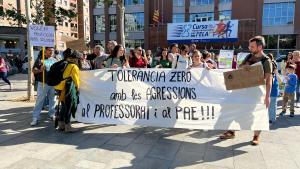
column 121, row 21
column 30, row 92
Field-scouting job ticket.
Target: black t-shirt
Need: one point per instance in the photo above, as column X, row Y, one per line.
column 47, row 63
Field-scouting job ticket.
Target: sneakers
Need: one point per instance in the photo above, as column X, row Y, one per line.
column 282, row 113
column 51, row 118
column 70, row 129
column 61, row 126
column 10, row 87
column 255, row 141
column 34, row 122
column 292, row 114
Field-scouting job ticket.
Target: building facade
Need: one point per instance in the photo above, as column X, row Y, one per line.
column 12, row 34
column 74, row 33
column 277, row 20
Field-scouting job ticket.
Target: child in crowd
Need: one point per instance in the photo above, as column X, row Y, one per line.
column 290, row 90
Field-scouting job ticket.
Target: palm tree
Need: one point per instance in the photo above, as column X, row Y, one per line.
column 120, row 18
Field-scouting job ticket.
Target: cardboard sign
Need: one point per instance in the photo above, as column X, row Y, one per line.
column 242, row 78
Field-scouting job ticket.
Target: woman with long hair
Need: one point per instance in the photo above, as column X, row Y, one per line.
column 117, row 58
column 207, row 59
column 164, row 61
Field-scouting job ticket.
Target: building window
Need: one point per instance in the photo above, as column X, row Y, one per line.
column 100, row 23
column 225, row 1
column 224, row 15
column 201, row 17
column 74, row 35
column 66, row 3
column 285, row 41
column 61, row 44
column 133, row 43
column 133, row 2
column 99, row 3
column 112, row 23
column 66, row 24
column 178, row 3
column 278, row 14
column 134, row 22
column 201, row 2
column 178, row 18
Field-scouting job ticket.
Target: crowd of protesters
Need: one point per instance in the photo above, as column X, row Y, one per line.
column 174, row 57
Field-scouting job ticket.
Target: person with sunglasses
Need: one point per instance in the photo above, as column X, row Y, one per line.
column 84, row 64
column 139, row 59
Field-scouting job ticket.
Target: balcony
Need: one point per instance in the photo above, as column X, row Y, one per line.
column 74, row 29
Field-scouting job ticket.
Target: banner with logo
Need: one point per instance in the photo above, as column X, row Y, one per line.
column 210, row 31
column 193, row 99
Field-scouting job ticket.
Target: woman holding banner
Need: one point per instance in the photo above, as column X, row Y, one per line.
column 117, row 58
column 207, row 58
column 164, row 61
column 139, row 60
column 197, row 60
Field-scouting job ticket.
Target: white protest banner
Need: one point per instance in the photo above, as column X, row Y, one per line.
column 225, row 59
column 241, row 56
column 194, row 99
column 210, row 31
column 41, row 35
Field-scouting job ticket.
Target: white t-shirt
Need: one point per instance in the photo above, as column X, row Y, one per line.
column 182, row 63
column 172, row 56
column 202, row 65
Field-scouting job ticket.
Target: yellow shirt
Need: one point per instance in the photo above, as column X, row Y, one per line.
column 72, row 71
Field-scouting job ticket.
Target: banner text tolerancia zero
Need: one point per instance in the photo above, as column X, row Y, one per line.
column 194, row 99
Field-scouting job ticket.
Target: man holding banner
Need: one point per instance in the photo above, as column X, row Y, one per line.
column 256, row 46
column 40, row 69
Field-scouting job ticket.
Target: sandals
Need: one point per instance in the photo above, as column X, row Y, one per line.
column 227, row 135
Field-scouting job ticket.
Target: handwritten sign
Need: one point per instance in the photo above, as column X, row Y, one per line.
column 225, row 59
column 40, row 35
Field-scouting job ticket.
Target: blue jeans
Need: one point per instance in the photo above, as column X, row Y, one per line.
column 272, row 109
column 298, row 91
column 3, row 75
column 42, row 93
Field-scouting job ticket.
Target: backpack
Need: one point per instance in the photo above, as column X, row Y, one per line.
column 55, row 74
